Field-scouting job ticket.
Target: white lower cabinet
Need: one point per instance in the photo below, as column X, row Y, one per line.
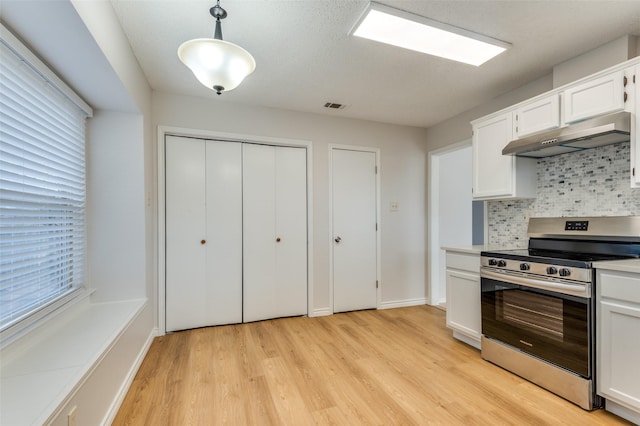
column 618, row 342
column 463, row 296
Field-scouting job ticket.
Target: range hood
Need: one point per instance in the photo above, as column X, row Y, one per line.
column 598, row 131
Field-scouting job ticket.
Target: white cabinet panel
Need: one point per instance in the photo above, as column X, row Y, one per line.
column 618, row 340
column 598, row 96
column 274, row 232
column 532, row 117
column 633, row 105
column 203, row 240
column 497, row 176
column 463, row 296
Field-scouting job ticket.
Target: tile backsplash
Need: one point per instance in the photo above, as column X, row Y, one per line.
column 594, row 182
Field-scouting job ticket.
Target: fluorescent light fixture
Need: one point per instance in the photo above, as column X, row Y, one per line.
column 403, row 29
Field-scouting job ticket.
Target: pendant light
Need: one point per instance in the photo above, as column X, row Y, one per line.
column 217, row 64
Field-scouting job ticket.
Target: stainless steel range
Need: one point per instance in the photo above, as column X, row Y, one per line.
column 538, row 304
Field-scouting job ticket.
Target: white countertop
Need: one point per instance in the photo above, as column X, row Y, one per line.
column 475, row 249
column 626, row 265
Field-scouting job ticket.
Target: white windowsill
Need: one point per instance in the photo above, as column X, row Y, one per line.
column 40, row 371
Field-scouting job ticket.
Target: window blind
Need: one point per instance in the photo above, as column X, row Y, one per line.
column 42, row 190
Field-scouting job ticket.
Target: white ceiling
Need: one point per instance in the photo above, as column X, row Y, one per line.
column 305, row 56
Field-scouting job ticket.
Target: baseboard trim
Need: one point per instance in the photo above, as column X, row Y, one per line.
column 622, row 411
column 322, row 312
column 403, row 303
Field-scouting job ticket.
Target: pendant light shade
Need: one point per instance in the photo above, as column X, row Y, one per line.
column 217, row 64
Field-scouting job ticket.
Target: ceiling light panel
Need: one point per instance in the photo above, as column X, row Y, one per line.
column 399, row 28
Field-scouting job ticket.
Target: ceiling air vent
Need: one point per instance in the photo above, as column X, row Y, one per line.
column 333, row 105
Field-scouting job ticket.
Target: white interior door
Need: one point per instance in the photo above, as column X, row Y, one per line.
column 354, row 234
column 274, row 232
column 291, row 229
column 203, row 233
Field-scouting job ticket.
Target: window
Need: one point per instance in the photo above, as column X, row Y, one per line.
column 42, row 186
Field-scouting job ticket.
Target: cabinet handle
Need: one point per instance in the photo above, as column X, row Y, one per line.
column 278, row 240
column 203, row 241
column 624, row 80
column 625, row 96
column 338, row 239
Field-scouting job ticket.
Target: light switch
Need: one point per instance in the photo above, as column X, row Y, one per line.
column 394, row 206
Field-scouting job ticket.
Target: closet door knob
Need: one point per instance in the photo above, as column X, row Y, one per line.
column 278, row 240
column 203, row 241
column 338, row 239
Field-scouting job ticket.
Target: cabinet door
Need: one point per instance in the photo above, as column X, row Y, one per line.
column 463, row 303
column 633, row 105
column 274, row 232
column 492, row 171
column 598, row 96
column 543, row 114
column 203, row 233
column 619, row 344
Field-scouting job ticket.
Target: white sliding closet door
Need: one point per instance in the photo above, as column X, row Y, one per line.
column 274, row 232
column 203, row 233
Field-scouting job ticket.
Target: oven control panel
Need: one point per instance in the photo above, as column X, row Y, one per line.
column 576, row 225
column 534, row 268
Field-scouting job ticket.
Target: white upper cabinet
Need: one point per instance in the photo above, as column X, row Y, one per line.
column 502, row 177
column 497, row 176
column 536, row 116
column 632, row 88
column 598, row 96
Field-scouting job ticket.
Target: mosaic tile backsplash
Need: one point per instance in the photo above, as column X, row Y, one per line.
column 594, row 182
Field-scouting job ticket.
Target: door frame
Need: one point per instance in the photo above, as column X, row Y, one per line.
column 433, row 216
column 376, row 151
column 228, row 137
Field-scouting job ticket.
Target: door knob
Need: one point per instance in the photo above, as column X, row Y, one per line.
column 278, row 240
column 203, row 241
column 338, row 239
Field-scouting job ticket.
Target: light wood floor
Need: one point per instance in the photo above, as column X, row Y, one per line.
column 387, row 367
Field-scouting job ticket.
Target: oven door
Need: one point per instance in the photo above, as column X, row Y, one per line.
column 555, row 327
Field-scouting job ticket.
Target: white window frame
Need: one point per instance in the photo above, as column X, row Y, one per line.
column 20, row 324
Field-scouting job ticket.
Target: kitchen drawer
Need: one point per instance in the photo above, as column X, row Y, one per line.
column 618, row 285
column 464, row 261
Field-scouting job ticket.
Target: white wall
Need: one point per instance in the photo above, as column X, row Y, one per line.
column 403, row 177
column 133, row 175
column 84, row 42
column 454, row 207
column 607, row 55
column 458, row 128
column 116, row 207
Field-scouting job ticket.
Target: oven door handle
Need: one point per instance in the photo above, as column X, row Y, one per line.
column 581, row 290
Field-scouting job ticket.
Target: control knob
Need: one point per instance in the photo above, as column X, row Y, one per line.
column 502, row 263
column 525, row 266
column 493, row 262
column 552, row 270
column 565, row 272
